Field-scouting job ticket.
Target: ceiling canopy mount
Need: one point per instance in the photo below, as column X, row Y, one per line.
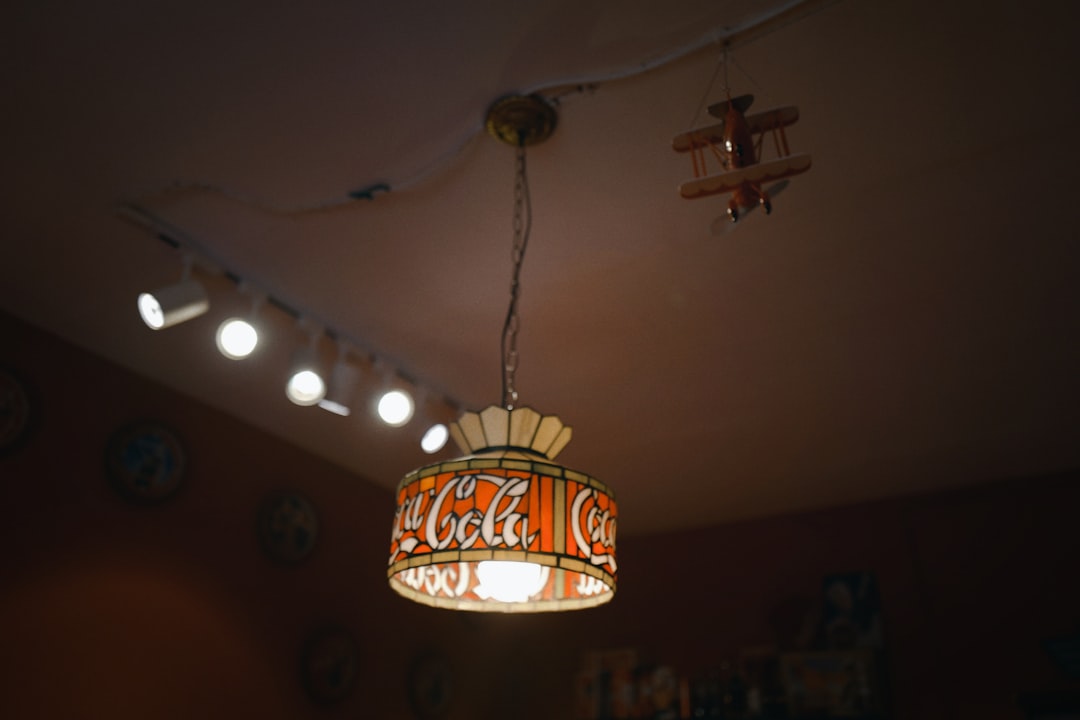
column 521, row 120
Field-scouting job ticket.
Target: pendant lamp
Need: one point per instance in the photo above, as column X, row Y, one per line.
column 505, row 528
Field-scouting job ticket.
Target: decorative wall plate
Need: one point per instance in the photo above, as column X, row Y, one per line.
column 15, row 411
column 288, row 526
column 329, row 665
column 145, row 462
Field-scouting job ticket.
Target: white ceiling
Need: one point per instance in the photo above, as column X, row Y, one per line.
column 906, row 319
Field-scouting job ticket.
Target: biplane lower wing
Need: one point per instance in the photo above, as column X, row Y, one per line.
column 731, row 180
column 772, row 119
column 714, row 134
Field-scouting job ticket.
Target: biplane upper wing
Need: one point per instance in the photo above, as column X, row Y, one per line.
column 714, row 134
column 762, row 172
column 772, row 119
column 694, row 139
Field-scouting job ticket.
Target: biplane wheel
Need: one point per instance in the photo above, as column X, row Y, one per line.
column 733, row 214
column 767, row 205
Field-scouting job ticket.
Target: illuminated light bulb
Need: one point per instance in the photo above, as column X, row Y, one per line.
column 395, row 408
column 150, row 311
column 236, row 339
column 435, row 438
column 172, row 305
column 509, row 580
column 306, row 387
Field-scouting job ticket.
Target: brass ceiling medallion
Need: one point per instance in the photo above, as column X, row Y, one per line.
column 521, row 120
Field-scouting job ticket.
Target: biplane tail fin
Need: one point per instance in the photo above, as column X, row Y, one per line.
column 741, row 103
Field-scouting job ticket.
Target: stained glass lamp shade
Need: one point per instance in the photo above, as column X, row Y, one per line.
column 505, row 528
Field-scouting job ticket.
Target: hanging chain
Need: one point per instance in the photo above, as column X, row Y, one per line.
column 522, row 226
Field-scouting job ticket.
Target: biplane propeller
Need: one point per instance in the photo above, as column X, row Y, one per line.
column 722, row 225
column 736, row 143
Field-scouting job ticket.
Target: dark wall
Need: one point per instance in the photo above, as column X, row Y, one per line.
column 112, row 609
column 971, row 583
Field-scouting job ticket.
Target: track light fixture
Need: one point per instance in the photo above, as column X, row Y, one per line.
column 435, row 438
column 396, row 407
column 435, row 418
column 306, row 384
column 343, row 379
column 236, row 337
column 174, row 304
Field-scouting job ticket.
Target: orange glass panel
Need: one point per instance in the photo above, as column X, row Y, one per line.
column 448, row 521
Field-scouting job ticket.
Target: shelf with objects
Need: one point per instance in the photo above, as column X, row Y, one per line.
column 833, row 666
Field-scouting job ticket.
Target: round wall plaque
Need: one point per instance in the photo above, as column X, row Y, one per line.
column 288, row 526
column 145, row 462
column 15, row 411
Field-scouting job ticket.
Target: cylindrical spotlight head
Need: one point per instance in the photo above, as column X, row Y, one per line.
column 396, row 408
column 174, row 304
column 435, row 438
column 305, row 385
column 236, row 338
column 343, row 379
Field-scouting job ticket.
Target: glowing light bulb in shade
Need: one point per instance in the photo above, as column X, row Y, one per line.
column 509, row 580
column 435, row 438
column 306, row 387
column 395, row 408
column 236, row 338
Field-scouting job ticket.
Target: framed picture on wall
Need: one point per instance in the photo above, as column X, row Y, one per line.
column 851, row 611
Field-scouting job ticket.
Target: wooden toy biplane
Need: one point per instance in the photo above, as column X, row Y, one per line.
column 737, row 143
